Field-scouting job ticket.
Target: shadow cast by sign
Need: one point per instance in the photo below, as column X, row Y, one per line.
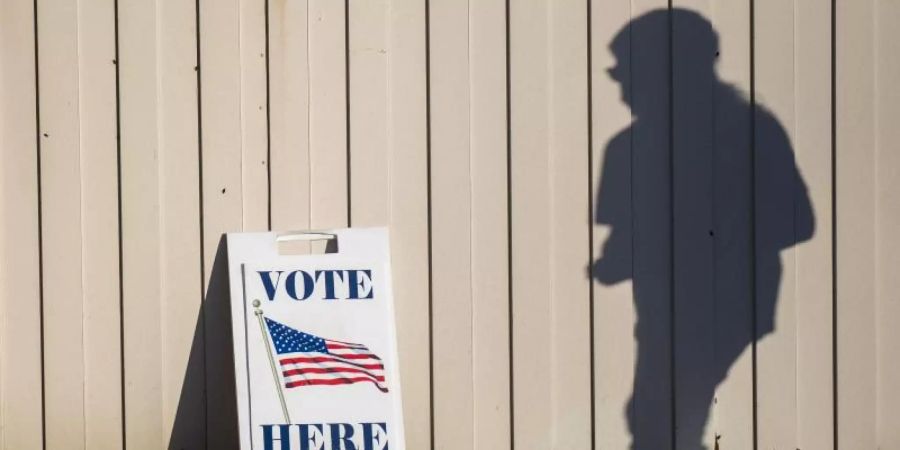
column 207, row 408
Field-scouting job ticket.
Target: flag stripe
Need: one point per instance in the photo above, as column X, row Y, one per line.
column 332, row 382
column 332, row 344
column 327, row 365
column 352, row 353
column 328, row 376
column 291, row 372
column 318, row 359
column 355, row 356
column 351, row 344
column 317, row 372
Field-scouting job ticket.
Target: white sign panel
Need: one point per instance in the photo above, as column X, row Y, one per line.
column 315, row 343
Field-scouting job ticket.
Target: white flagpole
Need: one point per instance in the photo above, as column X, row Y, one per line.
column 262, row 328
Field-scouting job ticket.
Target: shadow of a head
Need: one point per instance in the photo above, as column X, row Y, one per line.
column 696, row 47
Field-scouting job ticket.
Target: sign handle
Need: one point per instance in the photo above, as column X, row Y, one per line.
column 262, row 327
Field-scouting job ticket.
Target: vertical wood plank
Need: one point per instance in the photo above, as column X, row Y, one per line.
column 530, row 212
column 181, row 277
column 253, row 113
column 615, row 352
column 855, row 160
column 220, row 85
column 141, row 274
column 21, row 418
column 693, row 149
column 82, row 225
column 223, row 195
column 777, row 351
column 888, row 216
column 289, row 115
column 100, row 219
column 61, row 209
column 327, row 115
column 812, row 147
column 389, row 187
column 634, row 197
column 694, row 296
column 713, row 226
column 489, row 235
column 160, row 222
column 569, row 219
column 734, row 402
column 451, row 225
column 551, row 324
column 409, row 212
column 549, row 195
column 370, row 174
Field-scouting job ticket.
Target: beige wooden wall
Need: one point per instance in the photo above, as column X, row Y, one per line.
column 476, row 131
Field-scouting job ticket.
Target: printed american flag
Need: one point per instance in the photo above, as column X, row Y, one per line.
column 308, row 360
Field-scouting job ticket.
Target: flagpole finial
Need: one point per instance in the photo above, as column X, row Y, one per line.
column 256, row 303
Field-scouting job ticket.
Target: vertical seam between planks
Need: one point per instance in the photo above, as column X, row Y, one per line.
column 472, row 324
column 202, row 233
column 876, row 251
column 268, row 122
column 242, row 124
column 797, row 184
column 347, row 108
column 120, row 223
column 160, row 207
column 240, row 111
column 713, row 420
column 81, row 219
column 159, row 155
column 309, row 111
column 429, row 221
column 671, row 143
column 631, row 157
column 549, row 159
column 3, row 314
column 509, row 235
column 834, row 230
column 388, row 88
column 40, row 214
column 590, row 197
column 753, row 238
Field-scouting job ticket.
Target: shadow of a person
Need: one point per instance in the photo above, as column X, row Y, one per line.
column 701, row 196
